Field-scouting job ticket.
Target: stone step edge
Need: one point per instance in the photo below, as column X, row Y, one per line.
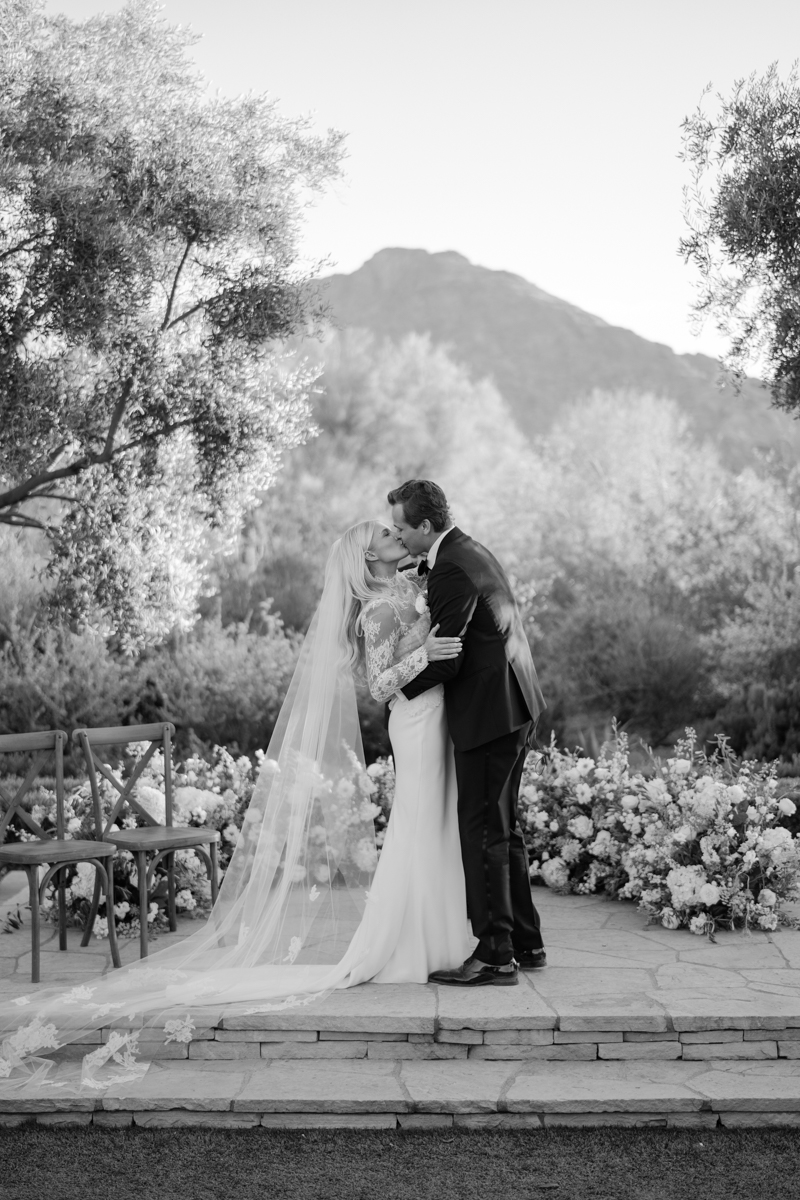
column 464, row 1036
column 639, row 1048
column 185, row 1118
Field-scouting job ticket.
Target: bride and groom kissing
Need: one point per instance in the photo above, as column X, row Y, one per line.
column 443, row 644
column 450, row 901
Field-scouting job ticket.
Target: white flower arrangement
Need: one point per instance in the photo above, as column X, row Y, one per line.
column 699, row 844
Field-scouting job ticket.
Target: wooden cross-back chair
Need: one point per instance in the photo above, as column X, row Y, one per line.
column 57, row 852
column 160, row 841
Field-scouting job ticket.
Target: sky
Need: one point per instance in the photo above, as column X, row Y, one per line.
column 540, row 137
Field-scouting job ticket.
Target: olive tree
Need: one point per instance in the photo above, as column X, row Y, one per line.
column 743, row 211
column 149, row 267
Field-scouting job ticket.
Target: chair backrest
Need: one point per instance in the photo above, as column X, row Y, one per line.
column 159, row 736
column 40, row 746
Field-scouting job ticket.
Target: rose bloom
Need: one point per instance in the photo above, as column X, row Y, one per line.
column 767, row 896
column 787, row 806
column 555, row 873
column 581, row 827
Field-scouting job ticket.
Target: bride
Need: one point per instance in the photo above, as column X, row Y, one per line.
column 416, row 919
column 302, row 909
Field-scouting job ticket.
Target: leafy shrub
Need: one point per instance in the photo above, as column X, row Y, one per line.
column 224, row 684
column 227, row 684
column 756, row 655
column 616, row 651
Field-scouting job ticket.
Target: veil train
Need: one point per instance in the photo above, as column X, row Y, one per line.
column 290, row 902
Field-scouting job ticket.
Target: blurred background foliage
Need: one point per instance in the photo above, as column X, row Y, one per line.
column 658, row 585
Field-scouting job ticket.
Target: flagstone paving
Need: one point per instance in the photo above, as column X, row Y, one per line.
column 628, row 1024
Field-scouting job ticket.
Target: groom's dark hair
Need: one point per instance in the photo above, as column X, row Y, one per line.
column 422, row 500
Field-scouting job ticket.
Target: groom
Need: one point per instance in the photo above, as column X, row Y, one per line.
column 492, row 700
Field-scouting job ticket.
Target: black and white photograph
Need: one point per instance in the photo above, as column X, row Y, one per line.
column 399, row 599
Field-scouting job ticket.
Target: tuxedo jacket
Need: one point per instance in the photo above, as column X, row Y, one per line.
column 491, row 688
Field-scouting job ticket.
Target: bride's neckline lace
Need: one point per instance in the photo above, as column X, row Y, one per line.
column 399, row 582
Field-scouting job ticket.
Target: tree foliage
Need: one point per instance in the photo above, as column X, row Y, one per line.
column 743, row 211
column 148, row 263
column 647, row 548
column 386, row 412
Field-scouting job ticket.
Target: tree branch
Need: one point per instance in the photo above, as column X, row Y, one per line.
column 18, row 521
column 23, row 245
column 54, row 708
column 119, row 412
column 54, row 496
column 24, row 491
column 184, row 316
column 171, row 301
column 29, row 490
column 164, row 431
column 55, row 455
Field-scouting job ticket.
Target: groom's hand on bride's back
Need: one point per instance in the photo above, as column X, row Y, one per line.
column 438, row 648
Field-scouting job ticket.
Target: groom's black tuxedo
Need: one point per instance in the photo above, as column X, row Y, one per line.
column 491, row 697
column 491, row 688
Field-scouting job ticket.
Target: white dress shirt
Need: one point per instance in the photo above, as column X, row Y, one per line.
column 434, row 550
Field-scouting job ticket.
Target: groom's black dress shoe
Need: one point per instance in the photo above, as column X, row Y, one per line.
column 474, row 973
column 531, row 960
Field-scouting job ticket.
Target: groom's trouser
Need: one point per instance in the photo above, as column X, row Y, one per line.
column 499, row 901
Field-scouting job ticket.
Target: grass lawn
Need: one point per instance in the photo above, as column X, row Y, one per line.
column 605, row 1164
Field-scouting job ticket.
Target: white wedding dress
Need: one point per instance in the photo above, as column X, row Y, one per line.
column 415, row 921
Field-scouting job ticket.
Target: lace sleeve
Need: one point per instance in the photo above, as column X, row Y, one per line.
column 414, row 638
column 381, row 627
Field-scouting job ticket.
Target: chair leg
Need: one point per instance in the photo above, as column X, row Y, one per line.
column 141, row 858
column 87, row 933
column 110, row 917
column 171, row 911
column 214, row 873
column 33, row 889
column 62, row 911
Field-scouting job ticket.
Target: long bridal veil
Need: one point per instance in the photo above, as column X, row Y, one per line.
column 289, row 904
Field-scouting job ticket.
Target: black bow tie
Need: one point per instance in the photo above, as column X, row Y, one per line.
column 422, row 567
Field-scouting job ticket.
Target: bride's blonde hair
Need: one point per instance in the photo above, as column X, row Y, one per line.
column 348, row 561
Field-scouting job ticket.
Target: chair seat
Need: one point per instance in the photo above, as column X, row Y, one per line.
column 162, row 837
column 51, row 850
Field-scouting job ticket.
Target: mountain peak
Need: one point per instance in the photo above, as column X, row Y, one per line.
column 544, row 353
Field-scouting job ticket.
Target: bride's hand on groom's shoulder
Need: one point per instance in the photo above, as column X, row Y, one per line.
column 438, row 648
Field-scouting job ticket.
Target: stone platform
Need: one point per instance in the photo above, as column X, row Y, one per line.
column 628, row 1024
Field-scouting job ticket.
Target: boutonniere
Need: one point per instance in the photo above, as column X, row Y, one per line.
column 421, row 603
